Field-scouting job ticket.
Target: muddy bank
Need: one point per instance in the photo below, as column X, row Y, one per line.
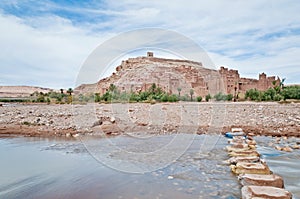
column 140, row 118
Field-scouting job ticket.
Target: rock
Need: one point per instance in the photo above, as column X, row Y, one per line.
column 250, row 168
column 76, row 135
column 68, row 134
column 265, row 192
column 109, row 128
column 251, row 142
column 277, row 141
column 287, row 149
column 251, row 134
column 170, row 177
column 270, row 144
column 295, row 146
column 239, row 145
column 235, row 149
column 278, row 148
column 112, row 119
column 139, row 123
column 261, row 180
column 97, row 123
column 244, row 153
column 250, row 159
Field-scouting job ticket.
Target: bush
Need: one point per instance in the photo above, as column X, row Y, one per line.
column 229, row 97
column 207, row 97
column 172, row 98
column 185, row 97
column 220, row 97
column 278, row 97
column 199, row 99
column 253, row 94
column 164, row 98
column 291, row 92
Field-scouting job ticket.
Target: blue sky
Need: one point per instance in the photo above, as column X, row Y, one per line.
column 44, row 43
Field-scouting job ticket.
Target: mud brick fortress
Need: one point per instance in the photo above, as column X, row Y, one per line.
column 138, row 74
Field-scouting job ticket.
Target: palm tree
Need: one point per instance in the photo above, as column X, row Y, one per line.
column 70, row 91
column 191, row 93
column 61, row 91
column 179, row 90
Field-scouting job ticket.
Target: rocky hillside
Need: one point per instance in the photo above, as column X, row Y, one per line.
column 138, row 74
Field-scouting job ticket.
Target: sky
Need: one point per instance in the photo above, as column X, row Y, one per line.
column 45, row 43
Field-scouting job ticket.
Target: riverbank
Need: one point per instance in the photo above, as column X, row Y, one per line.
column 268, row 118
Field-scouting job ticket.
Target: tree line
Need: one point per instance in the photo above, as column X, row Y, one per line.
column 157, row 94
column 151, row 95
column 274, row 94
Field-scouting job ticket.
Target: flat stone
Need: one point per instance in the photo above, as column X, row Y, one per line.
column 251, row 159
column 262, row 180
column 237, row 149
column 251, row 142
column 264, row 192
column 236, row 130
column 250, row 168
column 247, row 153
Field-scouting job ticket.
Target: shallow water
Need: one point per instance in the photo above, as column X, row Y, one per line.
column 285, row 164
column 43, row 168
column 49, row 168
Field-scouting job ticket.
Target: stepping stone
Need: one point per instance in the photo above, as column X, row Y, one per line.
column 264, row 192
column 250, row 168
column 261, row 180
column 251, row 142
column 250, row 159
column 238, row 149
column 244, row 153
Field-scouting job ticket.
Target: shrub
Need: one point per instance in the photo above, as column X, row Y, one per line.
column 229, row 97
column 172, row 98
column 291, row 92
column 253, row 94
column 207, row 97
column 199, row 99
column 164, row 98
column 278, row 97
column 220, row 97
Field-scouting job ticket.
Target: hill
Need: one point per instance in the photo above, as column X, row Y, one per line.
column 20, row 91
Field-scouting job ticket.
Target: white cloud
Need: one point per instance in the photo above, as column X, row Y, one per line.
column 251, row 36
column 48, row 55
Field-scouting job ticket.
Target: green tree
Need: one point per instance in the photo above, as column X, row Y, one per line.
column 253, row 94
column 70, row 91
column 291, row 92
column 97, row 97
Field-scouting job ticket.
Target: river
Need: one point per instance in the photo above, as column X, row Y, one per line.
column 57, row 168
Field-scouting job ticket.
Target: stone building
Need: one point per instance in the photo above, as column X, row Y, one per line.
column 236, row 85
column 138, row 74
